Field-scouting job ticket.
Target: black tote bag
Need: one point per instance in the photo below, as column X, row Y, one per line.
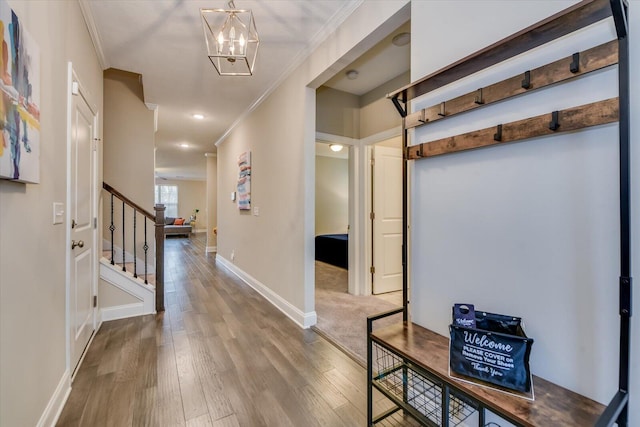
column 495, row 351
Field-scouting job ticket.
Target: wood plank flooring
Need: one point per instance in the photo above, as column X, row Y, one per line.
column 220, row 356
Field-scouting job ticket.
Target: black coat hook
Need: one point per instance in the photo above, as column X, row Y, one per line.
column 554, row 124
column 498, row 135
column 526, row 82
column 575, row 63
column 479, row 99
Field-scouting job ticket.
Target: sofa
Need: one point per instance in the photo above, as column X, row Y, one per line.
column 176, row 228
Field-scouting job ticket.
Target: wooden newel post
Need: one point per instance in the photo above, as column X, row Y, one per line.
column 159, row 257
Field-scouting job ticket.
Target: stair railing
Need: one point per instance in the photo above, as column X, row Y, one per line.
column 133, row 210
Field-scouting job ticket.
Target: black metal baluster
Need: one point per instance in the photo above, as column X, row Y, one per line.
column 146, row 248
column 135, row 259
column 112, row 227
column 124, row 267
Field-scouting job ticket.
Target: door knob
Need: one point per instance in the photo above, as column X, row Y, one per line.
column 79, row 243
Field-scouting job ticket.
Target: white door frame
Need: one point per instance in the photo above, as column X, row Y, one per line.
column 74, row 86
column 360, row 257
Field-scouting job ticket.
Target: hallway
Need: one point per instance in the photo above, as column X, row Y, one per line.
column 220, row 355
column 342, row 317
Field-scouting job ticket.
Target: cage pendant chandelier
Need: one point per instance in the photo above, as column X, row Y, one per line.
column 232, row 39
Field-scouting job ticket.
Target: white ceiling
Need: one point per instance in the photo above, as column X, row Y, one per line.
column 380, row 64
column 163, row 41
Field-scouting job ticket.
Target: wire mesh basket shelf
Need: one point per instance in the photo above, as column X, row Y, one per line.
column 407, row 383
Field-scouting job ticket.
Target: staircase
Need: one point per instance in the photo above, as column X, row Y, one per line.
column 125, row 258
column 144, row 293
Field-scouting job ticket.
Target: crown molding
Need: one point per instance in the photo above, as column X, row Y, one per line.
column 331, row 26
column 85, row 8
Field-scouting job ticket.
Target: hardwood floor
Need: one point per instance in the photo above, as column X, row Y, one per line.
column 220, row 356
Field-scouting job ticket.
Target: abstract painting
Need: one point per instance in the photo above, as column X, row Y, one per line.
column 244, row 181
column 20, row 105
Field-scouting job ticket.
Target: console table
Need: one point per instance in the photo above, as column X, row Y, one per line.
column 410, row 366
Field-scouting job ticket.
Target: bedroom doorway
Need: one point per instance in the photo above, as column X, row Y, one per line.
column 332, row 203
column 352, row 110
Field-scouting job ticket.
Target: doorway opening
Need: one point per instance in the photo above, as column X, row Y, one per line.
column 352, row 110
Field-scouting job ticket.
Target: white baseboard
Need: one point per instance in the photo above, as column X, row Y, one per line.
column 211, row 249
column 304, row 320
column 54, row 408
column 123, row 311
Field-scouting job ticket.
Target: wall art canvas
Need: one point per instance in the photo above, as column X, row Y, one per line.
column 244, row 181
column 20, row 104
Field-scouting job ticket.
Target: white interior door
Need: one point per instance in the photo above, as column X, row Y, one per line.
column 387, row 219
column 82, row 234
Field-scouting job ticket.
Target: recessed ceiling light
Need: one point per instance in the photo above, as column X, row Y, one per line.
column 184, row 145
column 401, row 39
column 352, row 74
column 198, row 116
column 335, row 147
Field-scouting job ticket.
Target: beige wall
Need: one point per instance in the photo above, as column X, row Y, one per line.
column 269, row 245
column 377, row 113
column 344, row 114
column 128, row 149
column 212, row 201
column 276, row 247
column 337, row 112
column 332, row 195
column 32, row 250
column 191, row 195
column 128, row 138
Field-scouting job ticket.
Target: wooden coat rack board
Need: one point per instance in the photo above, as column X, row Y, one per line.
column 608, row 54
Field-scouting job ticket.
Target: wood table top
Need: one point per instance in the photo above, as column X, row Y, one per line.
column 553, row 405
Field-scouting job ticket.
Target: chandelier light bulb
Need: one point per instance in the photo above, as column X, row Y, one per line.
column 241, row 40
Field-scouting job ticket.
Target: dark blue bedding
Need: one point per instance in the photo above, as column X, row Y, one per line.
column 333, row 249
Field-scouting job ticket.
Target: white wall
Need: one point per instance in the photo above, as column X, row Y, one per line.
column 528, row 229
column 332, row 195
column 32, row 250
column 112, row 296
column 276, row 247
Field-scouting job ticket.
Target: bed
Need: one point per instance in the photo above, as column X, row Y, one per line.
column 333, row 249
